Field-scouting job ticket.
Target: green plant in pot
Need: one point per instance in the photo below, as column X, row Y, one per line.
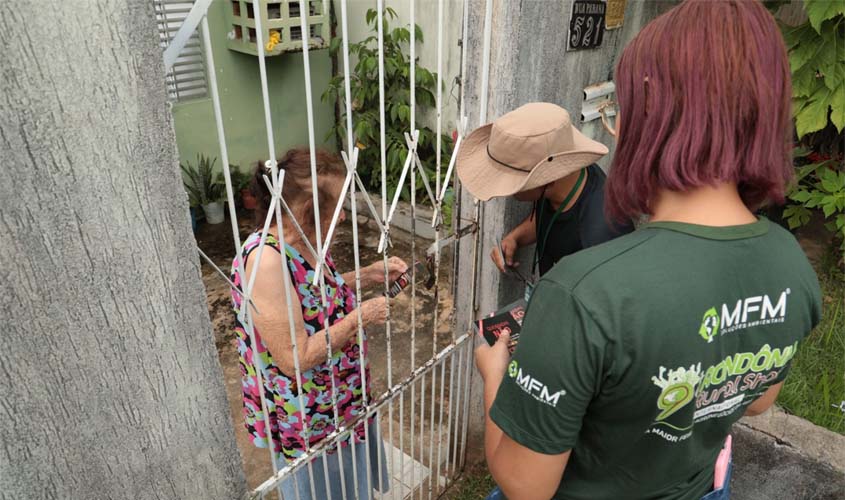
column 205, row 187
column 241, row 184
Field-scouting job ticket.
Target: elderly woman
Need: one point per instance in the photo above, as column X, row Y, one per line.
column 274, row 353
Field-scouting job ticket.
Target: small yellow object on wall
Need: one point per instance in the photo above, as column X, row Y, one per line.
column 275, row 38
column 615, row 14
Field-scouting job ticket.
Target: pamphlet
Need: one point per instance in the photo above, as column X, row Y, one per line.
column 508, row 319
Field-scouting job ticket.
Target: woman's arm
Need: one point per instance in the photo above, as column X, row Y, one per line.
column 521, row 473
column 374, row 273
column 274, row 323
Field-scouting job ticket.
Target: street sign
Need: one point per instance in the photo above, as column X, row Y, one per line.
column 586, row 24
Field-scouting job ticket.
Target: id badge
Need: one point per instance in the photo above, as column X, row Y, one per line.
column 529, row 289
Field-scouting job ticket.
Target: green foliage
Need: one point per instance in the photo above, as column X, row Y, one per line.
column 240, row 180
column 364, row 89
column 817, row 61
column 201, row 182
column 820, row 186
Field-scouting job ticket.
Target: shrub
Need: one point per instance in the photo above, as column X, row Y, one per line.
column 364, row 83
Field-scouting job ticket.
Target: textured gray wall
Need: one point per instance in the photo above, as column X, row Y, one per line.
column 110, row 382
column 529, row 63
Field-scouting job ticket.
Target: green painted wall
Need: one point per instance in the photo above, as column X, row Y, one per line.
column 240, row 95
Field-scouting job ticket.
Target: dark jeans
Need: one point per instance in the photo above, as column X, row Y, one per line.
column 723, row 493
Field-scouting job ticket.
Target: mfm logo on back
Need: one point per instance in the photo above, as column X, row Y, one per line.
column 746, row 313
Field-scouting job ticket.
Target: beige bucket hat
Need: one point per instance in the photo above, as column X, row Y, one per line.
column 531, row 146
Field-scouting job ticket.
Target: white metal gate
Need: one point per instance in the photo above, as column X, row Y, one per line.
column 436, row 409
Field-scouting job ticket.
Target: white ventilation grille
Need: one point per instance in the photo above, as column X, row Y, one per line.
column 187, row 79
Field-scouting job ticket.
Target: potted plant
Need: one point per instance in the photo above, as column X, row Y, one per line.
column 241, row 183
column 205, row 187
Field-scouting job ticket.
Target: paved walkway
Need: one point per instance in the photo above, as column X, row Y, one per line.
column 767, row 469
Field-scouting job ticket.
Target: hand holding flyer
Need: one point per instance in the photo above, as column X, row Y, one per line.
column 506, row 320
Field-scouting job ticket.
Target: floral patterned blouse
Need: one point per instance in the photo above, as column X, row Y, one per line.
column 280, row 391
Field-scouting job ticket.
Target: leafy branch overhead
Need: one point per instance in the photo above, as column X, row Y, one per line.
column 364, row 89
column 817, row 61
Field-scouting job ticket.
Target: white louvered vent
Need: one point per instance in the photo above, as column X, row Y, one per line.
column 187, row 79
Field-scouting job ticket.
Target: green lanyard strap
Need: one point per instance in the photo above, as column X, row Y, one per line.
column 540, row 248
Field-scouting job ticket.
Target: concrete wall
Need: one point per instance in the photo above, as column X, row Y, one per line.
column 529, row 63
column 110, row 382
column 243, row 109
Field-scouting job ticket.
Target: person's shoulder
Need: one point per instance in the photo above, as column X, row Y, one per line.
column 593, row 169
column 781, row 235
column 595, row 181
column 573, row 269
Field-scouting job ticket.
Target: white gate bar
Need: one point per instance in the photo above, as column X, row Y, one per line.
column 458, row 407
column 385, row 238
column 438, row 206
column 449, row 417
column 350, row 140
column 398, row 191
column 232, row 286
column 186, row 30
column 440, row 422
column 321, row 259
column 294, row 343
column 422, row 428
column 361, row 353
column 261, row 243
column 262, row 69
column 432, row 475
column 413, row 420
column 197, row 15
column 485, row 60
column 369, row 202
column 418, row 163
column 439, row 89
column 350, row 159
column 293, row 220
column 402, row 440
column 461, row 129
column 413, row 64
column 485, row 77
column 390, row 394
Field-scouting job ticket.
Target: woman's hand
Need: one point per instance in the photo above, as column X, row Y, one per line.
column 395, row 268
column 374, row 311
column 493, row 361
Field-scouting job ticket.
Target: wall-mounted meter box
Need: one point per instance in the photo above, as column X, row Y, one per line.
column 281, row 25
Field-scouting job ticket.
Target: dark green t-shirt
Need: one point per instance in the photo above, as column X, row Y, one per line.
column 640, row 353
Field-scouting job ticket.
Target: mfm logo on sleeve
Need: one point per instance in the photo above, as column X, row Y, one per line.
column 745, row 313
column 538, row 390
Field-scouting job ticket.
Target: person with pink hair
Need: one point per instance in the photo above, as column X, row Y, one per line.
column 638, row 355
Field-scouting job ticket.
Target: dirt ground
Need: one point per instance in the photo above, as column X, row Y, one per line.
column 216, row 242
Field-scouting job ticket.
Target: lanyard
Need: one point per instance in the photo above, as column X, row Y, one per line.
column 540, row 248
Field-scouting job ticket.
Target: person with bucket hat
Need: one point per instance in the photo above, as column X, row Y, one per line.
column 535, row 154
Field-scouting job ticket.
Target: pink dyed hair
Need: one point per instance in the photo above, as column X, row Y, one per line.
column 704, row 97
